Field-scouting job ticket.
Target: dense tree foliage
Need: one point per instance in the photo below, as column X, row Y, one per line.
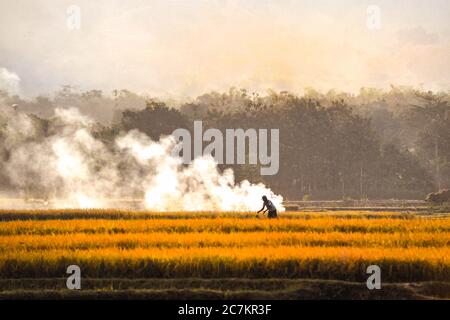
column 377, row 144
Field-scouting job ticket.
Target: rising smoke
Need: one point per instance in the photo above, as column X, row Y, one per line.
column 69, row 167
column 9, row 81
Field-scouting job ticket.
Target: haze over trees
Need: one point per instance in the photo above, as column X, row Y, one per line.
column 376, row 144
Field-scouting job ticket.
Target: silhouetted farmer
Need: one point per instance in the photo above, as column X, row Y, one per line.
column 269, row 207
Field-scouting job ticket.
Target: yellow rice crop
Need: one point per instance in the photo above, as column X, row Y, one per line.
column 320, row 245
column 213, row 239
column 225, row 225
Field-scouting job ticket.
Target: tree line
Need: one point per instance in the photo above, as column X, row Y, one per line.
column 375, row 145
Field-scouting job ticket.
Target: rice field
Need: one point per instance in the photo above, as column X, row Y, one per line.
column 223, row 255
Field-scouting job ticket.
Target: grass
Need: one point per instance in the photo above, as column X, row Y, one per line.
column 231, row 288
column 71, row 214
column 300, row 255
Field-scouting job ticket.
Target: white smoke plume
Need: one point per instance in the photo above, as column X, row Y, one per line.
column 9, row 81
column 70, row 168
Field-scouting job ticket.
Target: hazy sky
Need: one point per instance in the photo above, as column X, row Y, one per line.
column 183, row 47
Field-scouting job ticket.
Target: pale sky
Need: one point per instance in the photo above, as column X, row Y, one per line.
column 188, row 47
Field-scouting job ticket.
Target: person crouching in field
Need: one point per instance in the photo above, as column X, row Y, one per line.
column 269, row 207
